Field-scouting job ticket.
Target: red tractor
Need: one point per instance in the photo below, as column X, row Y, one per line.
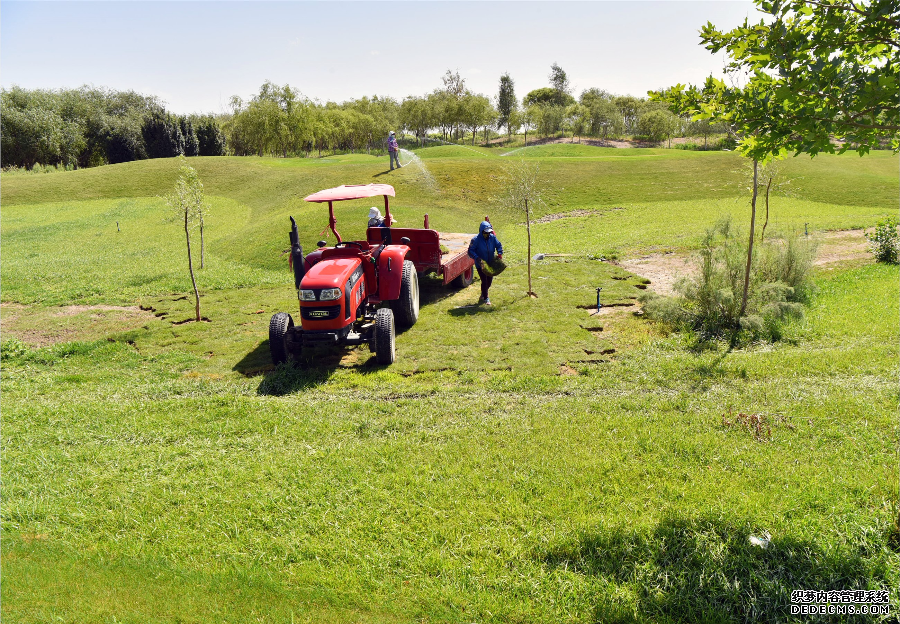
column 355, row 292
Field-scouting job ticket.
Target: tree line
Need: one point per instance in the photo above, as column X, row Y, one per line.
column 280, row 121
column 92, row 126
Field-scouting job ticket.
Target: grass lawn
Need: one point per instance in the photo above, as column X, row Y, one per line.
column 525, row 463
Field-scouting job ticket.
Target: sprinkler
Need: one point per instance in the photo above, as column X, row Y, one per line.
column 599, row 305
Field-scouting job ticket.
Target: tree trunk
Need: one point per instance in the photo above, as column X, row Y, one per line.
column 202, row 243
column 528, row 226
column 750, row 246
column 187, row 234
column 762, row 236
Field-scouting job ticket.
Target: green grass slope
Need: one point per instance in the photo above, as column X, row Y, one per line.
column 667, row 197
column 524, row 463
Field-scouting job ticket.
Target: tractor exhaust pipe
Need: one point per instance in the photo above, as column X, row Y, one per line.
column 296, row 255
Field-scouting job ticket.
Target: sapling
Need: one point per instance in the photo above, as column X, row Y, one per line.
column 523, row 190
column 186, row 205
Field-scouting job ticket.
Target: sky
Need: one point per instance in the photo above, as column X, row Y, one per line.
column 195, row 55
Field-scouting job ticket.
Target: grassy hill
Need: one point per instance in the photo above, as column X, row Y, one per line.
column 525, row 463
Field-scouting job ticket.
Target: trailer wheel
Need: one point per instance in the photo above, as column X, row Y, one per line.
column 406, row 308
column 279, row 326
column 384, row 336
column 464, row 279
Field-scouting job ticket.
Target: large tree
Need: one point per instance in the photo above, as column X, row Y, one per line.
column 560, row 83
column 455, row 87
column 822, row 70
column 506, row 102
column 477, row 112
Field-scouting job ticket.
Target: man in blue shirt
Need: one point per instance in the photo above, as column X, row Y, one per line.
column 481, row 250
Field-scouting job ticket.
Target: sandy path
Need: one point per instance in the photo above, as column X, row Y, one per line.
column 663, row 270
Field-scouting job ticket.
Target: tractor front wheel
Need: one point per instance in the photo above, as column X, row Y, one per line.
column 279, row 326
column 384, row 336
column 406, row 308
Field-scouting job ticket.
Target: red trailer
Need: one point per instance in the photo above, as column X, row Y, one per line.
column 353, row 292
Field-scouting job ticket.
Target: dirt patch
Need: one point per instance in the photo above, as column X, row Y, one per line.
column 39, row 327
column 565, row 215
column 842, row 246
column 550, row 218
column 78, row 309
column 663, row 270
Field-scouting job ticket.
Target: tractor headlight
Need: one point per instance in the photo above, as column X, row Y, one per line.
column 330, row 294
column 307, row 295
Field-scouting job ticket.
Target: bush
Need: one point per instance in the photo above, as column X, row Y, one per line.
column 710, row 301
column 191, row 142
column 884, row 242
column 162, row 136
column 713, row 145
column 123, row 140
column 12, row 349
column 210, row 137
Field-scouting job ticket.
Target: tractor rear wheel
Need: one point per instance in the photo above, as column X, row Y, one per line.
column 464, row 279
column 406, row 308
column 279, row 326
column 384, row 336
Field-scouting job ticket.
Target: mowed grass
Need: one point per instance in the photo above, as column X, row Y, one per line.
column 497, row 472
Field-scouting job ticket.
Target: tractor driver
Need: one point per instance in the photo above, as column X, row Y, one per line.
column 481, row 250
column 375, row 218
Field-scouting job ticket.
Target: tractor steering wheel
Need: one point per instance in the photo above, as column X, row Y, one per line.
column 345, row 243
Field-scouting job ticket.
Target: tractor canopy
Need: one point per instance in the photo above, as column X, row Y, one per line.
column 352, row 191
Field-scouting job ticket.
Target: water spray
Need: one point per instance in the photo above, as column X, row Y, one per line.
column 430, row 180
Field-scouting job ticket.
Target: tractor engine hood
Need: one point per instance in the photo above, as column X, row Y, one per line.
column 329, row 273
column 331, row 294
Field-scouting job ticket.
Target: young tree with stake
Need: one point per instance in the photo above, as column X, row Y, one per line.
column 186, row 205
column 523, row 190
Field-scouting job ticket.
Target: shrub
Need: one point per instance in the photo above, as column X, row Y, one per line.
column 712, row 145
column 191, row 142
column 12, row 349
column 884, row 242
column 162, row 135
column 123, row 140
column 709, row 302
column 210, row 137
